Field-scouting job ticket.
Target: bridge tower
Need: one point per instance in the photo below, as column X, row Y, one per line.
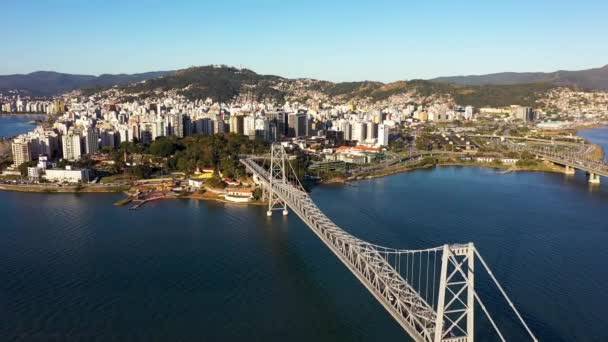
column 278, row 174
column 456, row 301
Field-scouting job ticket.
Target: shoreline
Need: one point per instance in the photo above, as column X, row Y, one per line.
column 23, row 114
column 505, row 169
column 589, row 126
column 62, row 189
column 215, row 197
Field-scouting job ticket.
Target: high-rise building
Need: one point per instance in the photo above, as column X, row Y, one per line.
column 468, row 112
column 236, row 124
column 278, row 123
column 175, row 126
column 72, row 149
column 249, row 126
column 345, row 126
column 21, row 151
column 372, row 130
column 108, row 139
column 219, row 126
column 359, row 131
column 58, row 107
column 147, row 133
column 91, row 140
column 207, row 126
column 297, row 124
column 383, row 134
column 525, row 114
column 262, row 129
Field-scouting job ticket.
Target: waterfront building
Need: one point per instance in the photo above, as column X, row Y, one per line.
column 21, row 151
column 68, row 175
column 33, row 173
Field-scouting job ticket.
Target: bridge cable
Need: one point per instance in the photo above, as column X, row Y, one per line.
column 434, row 274
column 420, row 274
column 483, row 307
column 505, row 295
column 426, row 291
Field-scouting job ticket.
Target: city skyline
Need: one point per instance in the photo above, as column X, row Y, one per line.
column 337, row 42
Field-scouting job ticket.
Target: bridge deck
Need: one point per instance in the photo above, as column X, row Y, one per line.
column 363, row 259
column 567, row 159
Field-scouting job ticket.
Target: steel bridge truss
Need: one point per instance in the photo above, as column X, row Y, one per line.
column 429, row 292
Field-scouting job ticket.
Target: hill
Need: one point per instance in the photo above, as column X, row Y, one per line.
column 47, row 83
column 219, row 83
column 222, row 83
column 586, row 79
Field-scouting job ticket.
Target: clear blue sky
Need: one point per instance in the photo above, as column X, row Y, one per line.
column 335, row 40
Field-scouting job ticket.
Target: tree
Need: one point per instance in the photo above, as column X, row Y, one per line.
column 23, row 167
column 163, row 147
column 216, row 182
column 424, row 142
column 5, row 163
column 141, row 171
column 257, row 194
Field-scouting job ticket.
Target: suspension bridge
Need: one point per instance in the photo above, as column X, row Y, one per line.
column 429, row 292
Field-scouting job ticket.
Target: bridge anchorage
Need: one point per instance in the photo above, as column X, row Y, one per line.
column 429, row 292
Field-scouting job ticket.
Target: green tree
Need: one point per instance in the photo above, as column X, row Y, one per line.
column 23, row 167
column 141, row 171
column 257, row 194
column 163, row 147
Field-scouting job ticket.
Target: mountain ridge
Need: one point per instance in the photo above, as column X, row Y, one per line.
column 592, row 79
column 48, row 83
column 226, row 83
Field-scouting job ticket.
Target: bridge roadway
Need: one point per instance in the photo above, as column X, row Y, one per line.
column 571, row 161
column 363, row 259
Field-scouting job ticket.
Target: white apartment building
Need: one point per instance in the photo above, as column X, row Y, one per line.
column 383, row 134
column 21, row 151
column 71, row 146
column 68, row 175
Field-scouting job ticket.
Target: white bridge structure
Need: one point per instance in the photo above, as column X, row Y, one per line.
column 568, row 159
column 430, row 292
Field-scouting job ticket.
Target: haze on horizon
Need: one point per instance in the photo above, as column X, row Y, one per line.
column 383, row 40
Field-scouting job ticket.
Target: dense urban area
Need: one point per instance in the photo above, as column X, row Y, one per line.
column 183, row 134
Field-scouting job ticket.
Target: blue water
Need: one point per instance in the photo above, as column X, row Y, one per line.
column 11, row 125
column 75, row 268
column 598, row 136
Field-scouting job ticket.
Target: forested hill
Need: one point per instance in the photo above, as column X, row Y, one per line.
column 222, row 83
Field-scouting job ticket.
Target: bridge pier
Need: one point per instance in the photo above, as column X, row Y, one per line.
column 594, row 178
column 569, row 170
